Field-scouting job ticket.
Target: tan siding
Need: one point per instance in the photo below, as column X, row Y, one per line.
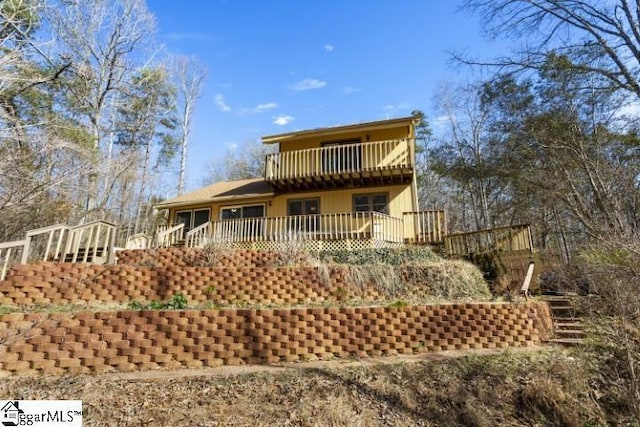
column 215, row 207
column 336, row 201
column 374, row 135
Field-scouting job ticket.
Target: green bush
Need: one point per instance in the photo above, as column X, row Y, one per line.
column 177, row 302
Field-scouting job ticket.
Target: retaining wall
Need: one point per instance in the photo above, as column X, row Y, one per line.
column 64, row 283
column 87, row 342
column 185, row 257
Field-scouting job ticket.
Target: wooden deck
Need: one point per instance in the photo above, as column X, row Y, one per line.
column 369, row 163
column 338, row 226
column 512, row 238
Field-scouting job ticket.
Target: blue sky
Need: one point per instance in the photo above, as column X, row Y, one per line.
column 282, row 65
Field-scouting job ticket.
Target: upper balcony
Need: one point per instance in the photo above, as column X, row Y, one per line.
column 368, row 163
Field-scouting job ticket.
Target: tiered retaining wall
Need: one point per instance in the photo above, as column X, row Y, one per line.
column 186, row 257
column 63, row 283
column 87, row 342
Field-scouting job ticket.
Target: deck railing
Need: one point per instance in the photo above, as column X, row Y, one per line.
column 168, row 235
column 45, row 244
column 425, row 227
column 91, row 242
column 339, row 159
column 10, row 254
column 510, row 238
column 199, row 236
column 338, row 226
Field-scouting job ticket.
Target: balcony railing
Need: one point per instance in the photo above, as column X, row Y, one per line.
column 425, row 227
column 338, row 226
column 376, row 161
column 509, row 239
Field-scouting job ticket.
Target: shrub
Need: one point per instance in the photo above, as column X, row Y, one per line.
column 210, row 255
column 177, row 302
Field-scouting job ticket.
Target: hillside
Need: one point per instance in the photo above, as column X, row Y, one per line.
column 546, row 387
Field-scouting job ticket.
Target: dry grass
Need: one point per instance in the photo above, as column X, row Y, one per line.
column 520, row 389
column 211, row 254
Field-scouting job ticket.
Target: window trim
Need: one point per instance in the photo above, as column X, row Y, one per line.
column 371, row 196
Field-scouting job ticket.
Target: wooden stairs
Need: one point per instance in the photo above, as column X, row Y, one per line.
column 568, row 329
column 91, row 254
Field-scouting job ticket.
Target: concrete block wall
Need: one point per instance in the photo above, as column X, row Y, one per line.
column 184, row 257
column 88, row 342
column 66, row 283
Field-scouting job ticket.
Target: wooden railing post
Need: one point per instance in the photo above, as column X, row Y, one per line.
column 25, row 251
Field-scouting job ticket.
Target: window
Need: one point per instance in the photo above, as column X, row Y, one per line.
column 235, row 212
column 371, row 202
column 192, row 218
column 303, row 207
column 249, row 229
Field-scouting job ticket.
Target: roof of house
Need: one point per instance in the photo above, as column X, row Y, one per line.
column 381, row 124
column 221, row 191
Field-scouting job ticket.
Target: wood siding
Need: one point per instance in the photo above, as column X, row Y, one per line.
column 373, row 135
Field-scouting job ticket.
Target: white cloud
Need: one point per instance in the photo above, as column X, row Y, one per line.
column 219, row 101
column 328, row 47
column 348, row 90
column 282, row 120
column 307, row 84
column 260, row 108
column 265, row 107
column 395, row 107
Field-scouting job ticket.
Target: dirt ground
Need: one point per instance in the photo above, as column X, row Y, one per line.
column 455, row 388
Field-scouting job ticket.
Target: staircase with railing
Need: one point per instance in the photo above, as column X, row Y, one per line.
column 93, row 242
column 169, row 235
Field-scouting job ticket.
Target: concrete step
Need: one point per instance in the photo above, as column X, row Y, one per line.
column 576, row 323
column 570, row 333
column 563, row 312
column 568, row 342
column 558, row 301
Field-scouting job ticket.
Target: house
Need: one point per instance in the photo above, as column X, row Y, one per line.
column 10, row 413
column 341, row 187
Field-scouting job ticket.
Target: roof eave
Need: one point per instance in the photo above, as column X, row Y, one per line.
column 211, row 200
column 272, row 139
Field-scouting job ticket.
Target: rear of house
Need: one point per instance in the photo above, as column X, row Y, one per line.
column 341, row 187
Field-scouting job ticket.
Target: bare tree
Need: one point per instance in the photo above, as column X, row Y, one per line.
column 38, row 156
column 596, row 36
column 190, row 76
column 246, row 161
column 104, row 39
column 463, row 153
